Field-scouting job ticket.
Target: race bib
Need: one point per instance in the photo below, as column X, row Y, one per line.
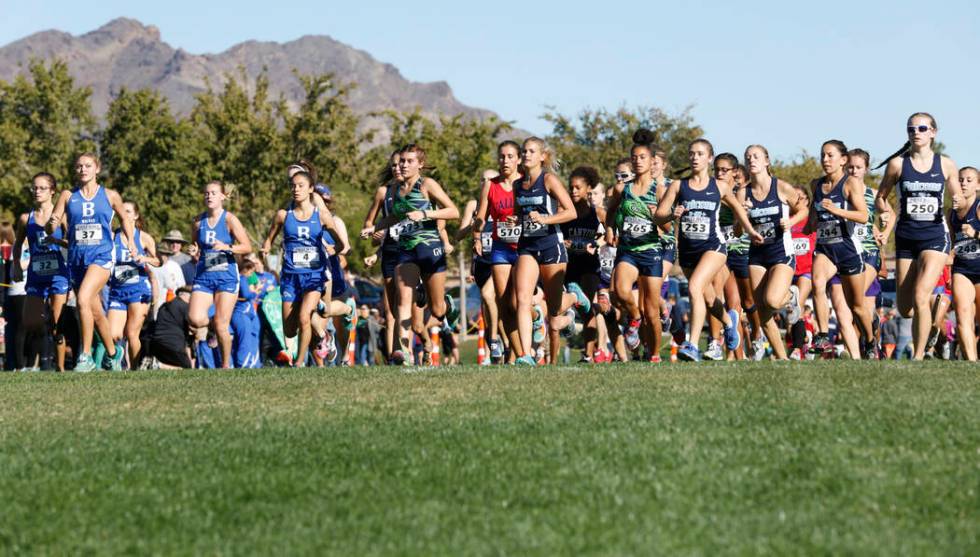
column 636, row 227
column 862, row 232
column 306, row 257
column 967, row 248
column 44, row 264
column 395, row 231
column 695, row 227
column 486, row 241
column 508, row 232
column 408, row 227
column 126, row 275
column 728, row 233
column 828, row 232
column 768, row 232
column 801, row 246
column 88, row 234
column 215, row 261
column 922, row 208
column 531, row 228
column 607, row 257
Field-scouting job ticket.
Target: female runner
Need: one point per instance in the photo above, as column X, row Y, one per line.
column 130, row 288
column 965, row 223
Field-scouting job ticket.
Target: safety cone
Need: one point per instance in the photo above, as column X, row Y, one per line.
column 352, row 342
column 434, row 336
column 481, row 344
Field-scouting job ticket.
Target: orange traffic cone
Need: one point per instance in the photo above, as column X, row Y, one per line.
column 434, row 336
column 481, row 344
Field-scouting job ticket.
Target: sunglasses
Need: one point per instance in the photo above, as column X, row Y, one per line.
column 623, row 176
column 920, row 129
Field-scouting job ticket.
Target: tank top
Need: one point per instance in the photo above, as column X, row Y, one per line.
column 920, row 201
column 765, row 215
column 831, row 229
column 699, row 227
column 213, row 260
column 414, row 233
column 500, row 205
column 127, row 273
column 866, row 233
column 46, row 259
column 390, row 242
column 534, row 235
column 668, row 240
column 803, row 245
column 89, row 222
column 737, row 245
column 581, row 232
column 486, row 239
column 634, row 220
column 966, row 248
column 302, row 243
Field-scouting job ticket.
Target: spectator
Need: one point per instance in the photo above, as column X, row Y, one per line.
column 904, row 338
column 176, row 242
column 365, row 346
column 189, row 268
column 171, row 336
column 889, row 333
column 168, row 276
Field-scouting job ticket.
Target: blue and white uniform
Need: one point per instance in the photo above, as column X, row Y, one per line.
column 543, row 242
column 920, row 226
column 217, row 270
column 304, row 261
column 245, row 327
column 837, row 237
column 700, row 232
column 334, row 271
column 89, row 233
column 47, row 273
column 130, row 281
column 966, row 260
column 765, row 215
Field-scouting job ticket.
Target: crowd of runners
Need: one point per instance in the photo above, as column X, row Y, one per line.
column 772, row 269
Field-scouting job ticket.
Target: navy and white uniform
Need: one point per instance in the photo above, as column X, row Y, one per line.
column 543, row 242
column 920, row 226
column 389, row 246
column 89, row 233
column 482, row 266
column 304, row 260
column 765, row 214
column 837, row 237
column 130, row 281
column 581, row 233
column 47, row 273
column 245, row 328
column 217, row 270
column 966, row 260
column 334, row 272
column 700, row 231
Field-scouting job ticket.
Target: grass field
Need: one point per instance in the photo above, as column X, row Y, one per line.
column 821, row 457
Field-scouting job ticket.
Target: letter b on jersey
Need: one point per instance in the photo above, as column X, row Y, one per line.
column 88, row 209
column 209, row 237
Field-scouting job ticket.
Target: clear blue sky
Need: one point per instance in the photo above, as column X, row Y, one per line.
column 785, row 74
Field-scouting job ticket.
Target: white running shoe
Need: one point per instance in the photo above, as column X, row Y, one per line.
column 793, row 307
column 713, row 352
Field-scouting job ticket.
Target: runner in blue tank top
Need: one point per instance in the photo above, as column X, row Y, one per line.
column 220, row 236
column 88, row 210
column 47, row 273
column 701, row 247
column 304, row 260
column 131, row 286
column 921, row 236
column 774, row 206
column 838, row 209
column 965, row 225
column 542, row 203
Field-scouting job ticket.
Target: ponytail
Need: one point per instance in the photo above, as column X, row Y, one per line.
column 901, row 152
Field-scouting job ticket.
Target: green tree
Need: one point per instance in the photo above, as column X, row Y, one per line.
column 45, row 122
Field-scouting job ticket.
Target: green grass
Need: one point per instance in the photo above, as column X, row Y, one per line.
column 821, row 457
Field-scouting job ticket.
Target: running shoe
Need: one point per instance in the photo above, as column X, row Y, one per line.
column 655, row 359
column 284, row 358
column 714, row 352
column 349, row 316
column 933, row 340
column 585, row 359
column 397, row 358
column 496, row 349
column 820, row 343
column 526, row 361
column 115, row 362
column 869, row 351
column 421, row 296
column 732, row 338
column 793, row 307
column 568, row 331
column 665, row 318
column 796, row 355
column 759, row 349
column 85, row 363
column 537, row 334
column 582, row 304
column 452, row 311
column 689, row 352
column 633, row 334
column 321, row 309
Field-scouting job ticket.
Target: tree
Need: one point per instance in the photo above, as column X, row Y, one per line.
column 45, row 122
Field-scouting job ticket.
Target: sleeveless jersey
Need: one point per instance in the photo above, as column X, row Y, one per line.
column 47, row 260
column 89, row 232
column 866, row 233
column 500, row 205
column 834, row 230
column 966, row 248
column 414, row 233
column 920, row 201
column 126, row 273
column 765, row 215
column 581, row 232
column 634, row 220
column 699, row 227
column 737, row 245
column 534, row 235
column 667, row 239
column 212, row 260
column 803, row 246
column 390, row 242
column 302, row 243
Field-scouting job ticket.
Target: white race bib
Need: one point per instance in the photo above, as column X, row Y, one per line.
column 44, row 264
column 801, row 246
column 126, row 275
column 531, row 228
column 508, row 232
column 486, row 241
column 636, row 227
column 696, row 227
column 967, row 248
column 395, row 230
column 922, row 208
column 828, row 232
column 215, row 261
column 88, row 234
column 768, row 232
column 306, row 257
column 607, row 258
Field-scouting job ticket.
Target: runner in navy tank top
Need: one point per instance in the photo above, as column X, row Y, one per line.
column 695, row 202
column 921, row 177
column 88, row 210
column 47, row 273
column 304, row 260
column 965, row 225
column 220, row 236
column 774, row 206
column 838, row 209
column 542, row 203
column 130, row 290
column 581, row 235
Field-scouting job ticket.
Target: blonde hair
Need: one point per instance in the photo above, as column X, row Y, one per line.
column 551, row 161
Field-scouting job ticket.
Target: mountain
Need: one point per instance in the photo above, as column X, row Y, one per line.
column 126, row 53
